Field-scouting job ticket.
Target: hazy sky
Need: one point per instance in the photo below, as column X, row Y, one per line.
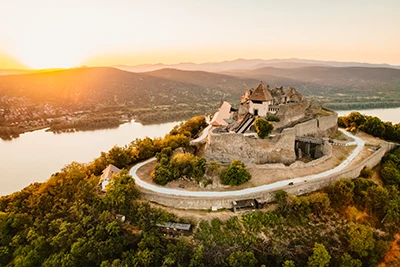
column 65, row 33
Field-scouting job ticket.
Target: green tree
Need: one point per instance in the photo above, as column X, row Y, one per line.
column 239, row 259
column 161, row 174
column 282, row 200
column 263, row 127
column 235, row 174
column 390, row 173
column 121, row 192
column 320, row 256
column 288, row 263
column 377, row 200
column 184, row 164
column 198, row 257
column 142, row 149
column 119, row 156
column 192, row 126
column 347, row 261
column 341, row 193
column 319, row 202
column 366, row 172
column 373, row 126
column 360, row 238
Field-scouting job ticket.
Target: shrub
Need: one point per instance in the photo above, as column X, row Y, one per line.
column 366, row 173
column 341, row 193
column 320, row 256
column 235, row 174
column 390, row 172
column 191, row 127
column 273, row 118
column 185, row 164
column 263, row 127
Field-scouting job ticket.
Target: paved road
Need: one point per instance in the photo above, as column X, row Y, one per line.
column 180, row 192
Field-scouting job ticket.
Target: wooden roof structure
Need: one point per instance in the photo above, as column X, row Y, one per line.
column 260, row 94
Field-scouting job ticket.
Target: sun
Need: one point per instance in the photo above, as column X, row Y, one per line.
column 42, row 56
column 51, row 45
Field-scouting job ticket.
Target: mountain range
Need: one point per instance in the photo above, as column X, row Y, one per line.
column 109, row 86
column 249, row 64
column 105, row 86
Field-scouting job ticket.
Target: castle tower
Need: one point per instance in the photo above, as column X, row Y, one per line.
column 259, row 101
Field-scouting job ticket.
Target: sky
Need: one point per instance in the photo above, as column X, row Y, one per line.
column 70, row 33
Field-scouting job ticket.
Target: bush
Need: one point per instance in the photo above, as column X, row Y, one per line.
column 390, row 172
column 185, row 164
column 263, row 127
column 366, row 173
column 191, row 127
column 273, row 118
column 341, row 193
column 235, row 174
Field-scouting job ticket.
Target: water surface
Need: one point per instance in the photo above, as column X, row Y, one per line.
column 34, row 156
column 385, row 114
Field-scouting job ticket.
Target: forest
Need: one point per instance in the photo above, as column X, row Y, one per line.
column 67, row 221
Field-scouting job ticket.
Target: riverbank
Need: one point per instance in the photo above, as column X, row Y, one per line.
column 113, row 117
column 108, row 118
column 35, row 156
column 385, row 114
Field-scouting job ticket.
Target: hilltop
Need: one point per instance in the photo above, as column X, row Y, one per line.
column 109, row 86
column 106, row 97
column 249, row 64
column 337, row 78
column 337, row 87
column 104, row 86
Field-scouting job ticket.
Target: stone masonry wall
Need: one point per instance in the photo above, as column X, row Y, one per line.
column 291, row 112
column 249, row 149
column 319, row 126
column 300, row 188
column 226, row 147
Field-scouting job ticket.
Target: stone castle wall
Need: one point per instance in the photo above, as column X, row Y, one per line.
column 226, row 147
column 319, row 126
column 299, row 188
column 249, row 149
column 291, row 112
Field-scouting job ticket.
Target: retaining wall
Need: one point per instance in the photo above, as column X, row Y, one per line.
column 225, row 147
column 298, row 188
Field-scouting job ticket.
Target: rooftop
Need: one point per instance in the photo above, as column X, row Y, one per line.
column 108, row 172
column 260, row 94
column 173, row 225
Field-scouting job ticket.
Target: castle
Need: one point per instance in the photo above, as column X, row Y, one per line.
column 300, row 128
column 263, row 101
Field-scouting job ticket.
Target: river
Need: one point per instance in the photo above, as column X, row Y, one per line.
column 385, row 114
column 34, row 156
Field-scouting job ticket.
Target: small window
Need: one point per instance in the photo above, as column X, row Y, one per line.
column 256, row 112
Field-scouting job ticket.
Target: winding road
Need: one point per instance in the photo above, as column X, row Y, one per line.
column 180, row 192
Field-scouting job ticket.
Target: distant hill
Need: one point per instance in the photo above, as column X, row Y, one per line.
column 330, row 78
column 107, row 86
column 340, row 87
column 249, row 64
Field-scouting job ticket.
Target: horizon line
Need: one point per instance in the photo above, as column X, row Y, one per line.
column 397, row 65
